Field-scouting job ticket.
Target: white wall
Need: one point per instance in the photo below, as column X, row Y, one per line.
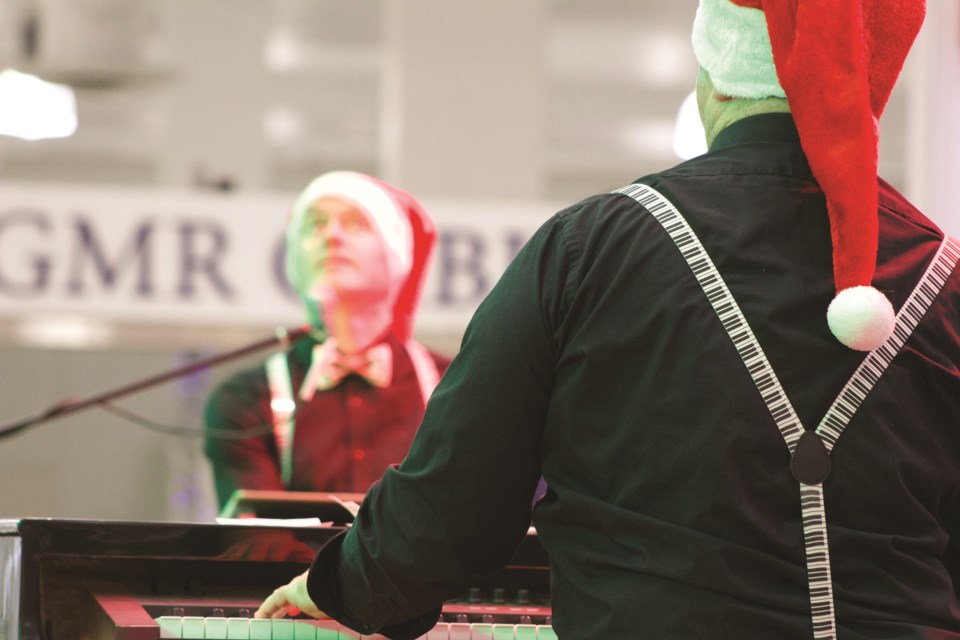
column 934, row 128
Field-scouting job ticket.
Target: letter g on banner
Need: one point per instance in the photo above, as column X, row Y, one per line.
column 15, row 256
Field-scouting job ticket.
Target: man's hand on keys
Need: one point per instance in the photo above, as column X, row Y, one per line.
column 289, row 600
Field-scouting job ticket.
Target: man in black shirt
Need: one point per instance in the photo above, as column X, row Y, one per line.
column 656, row 403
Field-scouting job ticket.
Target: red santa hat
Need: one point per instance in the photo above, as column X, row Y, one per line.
column 836, row 62
column 408, row 233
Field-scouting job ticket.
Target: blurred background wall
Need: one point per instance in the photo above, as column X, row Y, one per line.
column 148, row 238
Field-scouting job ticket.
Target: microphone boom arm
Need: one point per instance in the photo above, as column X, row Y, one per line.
column 284, row 338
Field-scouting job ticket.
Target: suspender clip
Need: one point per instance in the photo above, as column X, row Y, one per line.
column 810, row 463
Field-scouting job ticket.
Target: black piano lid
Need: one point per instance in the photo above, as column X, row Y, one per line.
column 63, row 561
column 153, row 539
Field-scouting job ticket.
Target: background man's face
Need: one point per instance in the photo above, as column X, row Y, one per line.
column 341, row 248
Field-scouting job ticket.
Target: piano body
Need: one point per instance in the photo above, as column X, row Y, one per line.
column 100, row 580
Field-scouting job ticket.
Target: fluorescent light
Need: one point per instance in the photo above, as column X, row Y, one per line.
column 689, row 139
column 65, row 332
column 282, row 51
column 33, row 109
column 281, row 125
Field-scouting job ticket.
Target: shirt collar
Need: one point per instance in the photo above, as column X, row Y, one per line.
column 777, row 128
column 303, row 348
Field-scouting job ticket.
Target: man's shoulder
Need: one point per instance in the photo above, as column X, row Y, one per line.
column 244, row 383
column 599, row 201
column 440, row 360
column 892, row 202
column 610, row 205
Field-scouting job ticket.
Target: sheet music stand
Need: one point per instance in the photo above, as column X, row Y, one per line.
column 291, row 504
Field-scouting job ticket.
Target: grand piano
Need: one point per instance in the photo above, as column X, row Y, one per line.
column 78, row 580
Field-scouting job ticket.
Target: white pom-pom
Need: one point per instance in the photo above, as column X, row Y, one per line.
column 861, row 318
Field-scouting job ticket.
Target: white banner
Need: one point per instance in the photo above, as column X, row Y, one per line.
column 187, row 258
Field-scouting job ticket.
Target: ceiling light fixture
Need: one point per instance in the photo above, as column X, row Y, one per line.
column 34, row 109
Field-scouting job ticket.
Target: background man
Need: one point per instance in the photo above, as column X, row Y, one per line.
column 344, row 402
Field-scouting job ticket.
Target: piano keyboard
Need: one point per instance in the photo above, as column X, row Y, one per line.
column 199, row 628
column 149, row 580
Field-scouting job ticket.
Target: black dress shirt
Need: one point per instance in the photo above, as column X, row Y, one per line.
column 598, row 362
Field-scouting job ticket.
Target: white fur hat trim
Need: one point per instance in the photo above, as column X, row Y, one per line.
column 732, row 44
column 373, row 200
column 861, row 318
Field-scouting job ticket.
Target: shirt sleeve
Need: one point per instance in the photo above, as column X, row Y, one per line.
column 460, row 503
column 240, row 406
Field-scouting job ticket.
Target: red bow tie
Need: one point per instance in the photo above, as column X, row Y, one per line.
column 329, row 366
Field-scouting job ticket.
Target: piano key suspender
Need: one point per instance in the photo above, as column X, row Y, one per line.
column 283, row 404
column 428, row 376
column 282, row 408
column 809, row 450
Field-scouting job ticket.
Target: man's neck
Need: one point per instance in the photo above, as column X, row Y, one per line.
column 717, row 111
column 357, row 329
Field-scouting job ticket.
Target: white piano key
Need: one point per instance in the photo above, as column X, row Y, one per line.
column 281, row 628
column 440, row 632
column 215, row 628
column 481, row 631
column 170, row 626
column 238, row 628
column 526, row 632
column 328, row 630
column 261, row 629
column 304, row 630
column 193, row 628
column 504, row 632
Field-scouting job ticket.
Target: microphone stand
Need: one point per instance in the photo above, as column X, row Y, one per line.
column 284, row 338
